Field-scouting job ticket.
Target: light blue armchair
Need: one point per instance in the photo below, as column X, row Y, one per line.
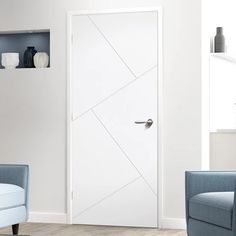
column 13, row 195
column 210, row 203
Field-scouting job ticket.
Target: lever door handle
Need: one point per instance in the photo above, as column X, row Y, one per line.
column 148, row 123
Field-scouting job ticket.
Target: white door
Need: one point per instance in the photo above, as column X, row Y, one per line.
column 114, row 90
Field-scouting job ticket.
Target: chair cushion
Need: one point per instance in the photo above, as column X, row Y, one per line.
column 11, row 196
column 215, row 208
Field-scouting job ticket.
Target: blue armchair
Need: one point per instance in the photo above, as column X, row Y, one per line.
column 13, row 195
column 210, row 208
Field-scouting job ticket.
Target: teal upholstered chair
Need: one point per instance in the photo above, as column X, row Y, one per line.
column 13, row 195
column 210, row 203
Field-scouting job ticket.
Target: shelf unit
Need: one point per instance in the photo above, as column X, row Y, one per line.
column 222, row 93
column 18, row 41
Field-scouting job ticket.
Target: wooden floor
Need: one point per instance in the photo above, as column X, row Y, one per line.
column 82, row 230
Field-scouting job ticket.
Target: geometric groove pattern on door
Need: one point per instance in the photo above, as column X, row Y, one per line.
column 107, row 74
column 127, row 174
column 96, row 180
column 105, row 198
column 80, row 124
column 140, row 53
column 113, row 93
column 125, row 153
column 130, row 74
column 111, row 212
column 137, row 150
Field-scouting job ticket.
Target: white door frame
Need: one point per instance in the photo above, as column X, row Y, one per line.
column 159, row 97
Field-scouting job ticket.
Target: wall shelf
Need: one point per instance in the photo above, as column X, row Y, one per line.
column 224, row 131
column 18, row 41
column 23, row 69
column 224, row 56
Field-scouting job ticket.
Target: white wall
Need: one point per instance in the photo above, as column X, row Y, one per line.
column 33, row 103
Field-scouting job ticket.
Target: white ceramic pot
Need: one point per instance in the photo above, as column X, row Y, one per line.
column 41, row 60
column 10, row 60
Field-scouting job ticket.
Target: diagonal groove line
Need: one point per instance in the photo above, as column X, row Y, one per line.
column 114, row 93
column 148, row 70
column 103, row 35
column 107, row 196
column 122, row 150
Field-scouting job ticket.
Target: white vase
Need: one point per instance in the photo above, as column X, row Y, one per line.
column 41, row 60
column 10, row 60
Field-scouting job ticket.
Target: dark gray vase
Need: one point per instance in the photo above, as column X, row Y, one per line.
column 29, row 57
column 219, row 40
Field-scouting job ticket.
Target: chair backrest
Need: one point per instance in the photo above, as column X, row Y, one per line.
column 17, row 175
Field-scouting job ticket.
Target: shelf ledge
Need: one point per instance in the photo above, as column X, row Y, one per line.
column 223, row 131
column 224, row 56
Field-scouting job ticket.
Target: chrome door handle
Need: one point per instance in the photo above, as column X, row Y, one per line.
column 147, row 123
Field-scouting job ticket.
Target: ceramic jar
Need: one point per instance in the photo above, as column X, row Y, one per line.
column 41, row 60
column 28, row 57
column 10, row 60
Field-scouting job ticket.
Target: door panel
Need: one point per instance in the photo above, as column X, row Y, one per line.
column 97, row 63
column 121, row 208
column 101, row 166
column 114, row 84
column 119, row 114
column 133, row 36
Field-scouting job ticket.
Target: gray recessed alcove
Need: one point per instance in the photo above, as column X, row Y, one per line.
column 18, row 41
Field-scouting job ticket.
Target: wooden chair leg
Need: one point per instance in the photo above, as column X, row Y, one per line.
column 15, row 229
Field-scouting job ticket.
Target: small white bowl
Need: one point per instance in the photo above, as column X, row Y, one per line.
column 10, row 60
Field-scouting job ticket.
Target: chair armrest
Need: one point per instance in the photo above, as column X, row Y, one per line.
column 207, row 181
column 16, row 174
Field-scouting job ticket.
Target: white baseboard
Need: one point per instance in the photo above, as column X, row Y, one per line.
column 47, row 217
column 61, row 218
column 173, row 223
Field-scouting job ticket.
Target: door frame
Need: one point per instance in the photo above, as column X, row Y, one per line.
column 69, row 191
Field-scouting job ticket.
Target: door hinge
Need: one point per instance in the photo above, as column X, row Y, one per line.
column 72, row 195
column 72, row 117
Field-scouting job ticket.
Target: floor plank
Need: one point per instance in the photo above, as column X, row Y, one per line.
column 34, row 229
